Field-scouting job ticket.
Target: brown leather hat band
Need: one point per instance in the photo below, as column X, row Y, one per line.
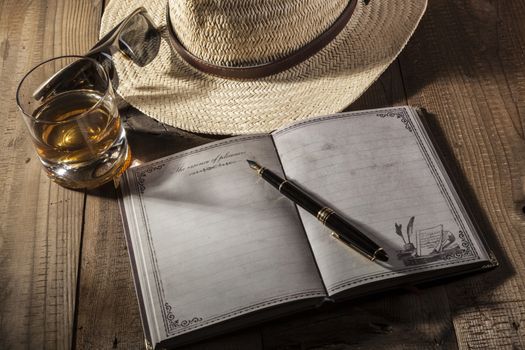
column 266, row 69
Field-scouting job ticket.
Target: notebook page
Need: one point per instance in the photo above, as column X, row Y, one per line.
column 375, row 167
column 213, row 240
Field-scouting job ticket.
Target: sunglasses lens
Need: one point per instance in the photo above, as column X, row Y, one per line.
column 140, row 40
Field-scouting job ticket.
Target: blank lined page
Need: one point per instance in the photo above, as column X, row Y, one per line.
column 378, row 170
column 216, row 241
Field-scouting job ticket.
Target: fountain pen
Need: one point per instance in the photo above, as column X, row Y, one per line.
column 341, row 228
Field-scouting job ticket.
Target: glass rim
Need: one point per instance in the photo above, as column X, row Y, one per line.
column 80, row 116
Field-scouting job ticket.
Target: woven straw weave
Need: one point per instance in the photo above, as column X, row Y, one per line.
column 171, row 91
column 240, row 33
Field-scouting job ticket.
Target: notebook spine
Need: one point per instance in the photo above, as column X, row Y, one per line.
column 138, row 289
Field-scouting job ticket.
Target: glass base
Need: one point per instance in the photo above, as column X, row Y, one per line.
column 95, row 173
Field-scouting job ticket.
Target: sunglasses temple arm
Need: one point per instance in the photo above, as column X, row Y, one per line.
column 105, row 41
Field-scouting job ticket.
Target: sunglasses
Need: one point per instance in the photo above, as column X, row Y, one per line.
column 136, row 37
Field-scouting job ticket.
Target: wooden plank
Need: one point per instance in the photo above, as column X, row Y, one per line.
column 108, row 314
column 40, row 222
column 395, row 320
column 503, row 320
column 469, row 73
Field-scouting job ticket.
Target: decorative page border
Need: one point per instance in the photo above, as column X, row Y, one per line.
column 172, row 325
column 175, row 326
column 468, row 253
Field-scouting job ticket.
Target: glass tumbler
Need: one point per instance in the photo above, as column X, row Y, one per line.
column 69, row 107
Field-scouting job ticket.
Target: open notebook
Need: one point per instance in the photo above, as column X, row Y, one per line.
column 214, row 248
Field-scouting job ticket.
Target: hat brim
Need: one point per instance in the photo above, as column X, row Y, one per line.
column 173, row 92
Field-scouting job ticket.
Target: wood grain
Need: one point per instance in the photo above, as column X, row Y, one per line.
column 41, row 222
column 397, row 320
column 469, row 74
column 464, row 65
column 108, row 315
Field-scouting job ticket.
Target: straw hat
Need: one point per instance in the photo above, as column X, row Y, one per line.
column 332, row 52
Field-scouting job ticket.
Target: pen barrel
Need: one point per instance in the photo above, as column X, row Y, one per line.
column 345, row 231
column 271, row 177
column 342, row 229
column 300, row 197
column 292, row 192
column 351, row 235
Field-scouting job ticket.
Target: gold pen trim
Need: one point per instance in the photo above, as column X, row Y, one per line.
column 260, row 171
column 323, row 214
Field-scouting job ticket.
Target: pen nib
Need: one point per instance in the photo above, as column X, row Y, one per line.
column 253, row 165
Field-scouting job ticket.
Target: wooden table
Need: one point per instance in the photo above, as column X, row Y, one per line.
column 65, row 277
